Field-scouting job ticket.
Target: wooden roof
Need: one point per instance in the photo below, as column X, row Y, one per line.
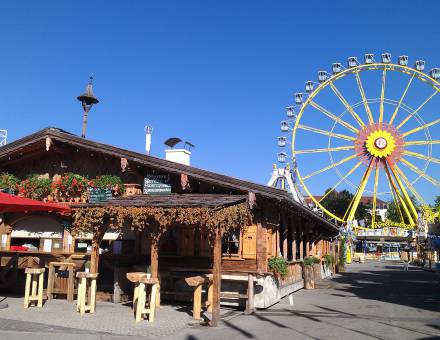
column 172, row 201
column 38, row 139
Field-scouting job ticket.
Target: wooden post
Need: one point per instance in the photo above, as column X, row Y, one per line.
column 261, row 248
column 250, row 295
column 197, row 303
column 154, row 257
column 70, row 285
column 216, row 277
column 50, row 281
column 293, row 238
column 301, row 243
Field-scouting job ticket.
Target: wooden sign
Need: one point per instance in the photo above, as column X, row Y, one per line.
column 97, row 195
column 157, row 184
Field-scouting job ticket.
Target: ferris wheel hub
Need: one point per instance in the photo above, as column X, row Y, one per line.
column 380, row 143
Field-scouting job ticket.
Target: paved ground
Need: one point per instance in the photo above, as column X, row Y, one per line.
column 370, row 301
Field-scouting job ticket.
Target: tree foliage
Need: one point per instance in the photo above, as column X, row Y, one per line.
column 338, row 203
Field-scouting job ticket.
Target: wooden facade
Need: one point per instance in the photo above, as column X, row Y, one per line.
column 278, row 226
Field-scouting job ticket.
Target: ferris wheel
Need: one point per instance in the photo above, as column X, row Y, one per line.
column 367, row 128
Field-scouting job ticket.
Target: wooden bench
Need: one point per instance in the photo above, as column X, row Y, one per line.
column 197, row 283
column 70, row 280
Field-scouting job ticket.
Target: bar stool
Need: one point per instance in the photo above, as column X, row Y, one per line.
column 36, row 276
column 135, row 277
column 144, row 285
column 86, row 301
column 51, row 289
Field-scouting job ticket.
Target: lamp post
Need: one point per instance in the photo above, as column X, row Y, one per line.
column 87, row 100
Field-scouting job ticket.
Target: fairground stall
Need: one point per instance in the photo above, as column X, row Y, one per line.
column 138, row 213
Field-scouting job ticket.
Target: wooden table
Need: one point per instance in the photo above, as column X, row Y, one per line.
column 86, row 301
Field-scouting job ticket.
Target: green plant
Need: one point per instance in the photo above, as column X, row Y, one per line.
column 342, row 253
column 279, row 266
column 311, row 260
column 35, row 187
column 111, row 182
column 329, row 260
column 8, row 182
column 148, row 269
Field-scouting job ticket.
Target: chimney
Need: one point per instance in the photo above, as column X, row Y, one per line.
column 148, row 132
column 180, row 155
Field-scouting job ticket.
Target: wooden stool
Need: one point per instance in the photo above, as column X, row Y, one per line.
column 141, row 309
column 86, row 300
column 197, row 283
column 135, row 277
column 36, row 275
column 70, row 280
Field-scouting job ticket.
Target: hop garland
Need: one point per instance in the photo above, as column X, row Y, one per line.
column 156, row 220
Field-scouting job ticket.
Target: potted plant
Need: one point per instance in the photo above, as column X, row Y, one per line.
column 87, row 265
column 329, row 261
column 148, row 272
column 8, row 183
column 109, row 182
column 309, row 275
column 279, row 266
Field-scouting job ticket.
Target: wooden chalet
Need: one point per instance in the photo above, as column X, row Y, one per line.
column 205, row 223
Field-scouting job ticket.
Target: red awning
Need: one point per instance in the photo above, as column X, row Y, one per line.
column 12, row 203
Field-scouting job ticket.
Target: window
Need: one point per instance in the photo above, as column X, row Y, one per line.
column 231, row 243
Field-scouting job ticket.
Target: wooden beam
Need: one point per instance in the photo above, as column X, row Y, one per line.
column 293, row 232
column 301, row 241
column 216, row 272
column 261, row 248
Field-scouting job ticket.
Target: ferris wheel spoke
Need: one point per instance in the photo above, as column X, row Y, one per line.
column 421, row 156
column 395, row 199
column 376, row 182
column 409, row 202
column 409, row 185
column 401, row 99
column 382, row 94
column 333, row 116
column 357, row 198
column 364, row 98
column 339, row 148
column 398, row 194
column 417, row 110
column 422, row 142
column 340, row 181
column 330, row 167
column 412, row 167
column 347, row 105
column 326, row 133
column 421, row 127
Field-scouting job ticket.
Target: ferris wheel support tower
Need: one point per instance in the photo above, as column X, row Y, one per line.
column 3, row 137
column 283, row 178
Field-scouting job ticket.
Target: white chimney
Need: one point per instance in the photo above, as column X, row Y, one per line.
column 148, row 132
column 181, row 156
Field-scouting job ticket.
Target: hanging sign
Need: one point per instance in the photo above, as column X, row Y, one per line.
column 97, row 195
column 157, row 184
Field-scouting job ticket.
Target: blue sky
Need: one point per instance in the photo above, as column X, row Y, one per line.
column 216, row 73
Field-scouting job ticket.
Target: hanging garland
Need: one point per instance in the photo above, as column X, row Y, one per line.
column 156, row 220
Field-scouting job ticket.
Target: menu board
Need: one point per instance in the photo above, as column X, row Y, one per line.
column 97, row 195
column 157, row 184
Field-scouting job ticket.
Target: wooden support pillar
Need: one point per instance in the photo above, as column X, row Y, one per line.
column 301, row 242
column 154, row 257
column 94, row 258
column 284, row 246
column 293, row 232
column 261, row 248
column 216, row 277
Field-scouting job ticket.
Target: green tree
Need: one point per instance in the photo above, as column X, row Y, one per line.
column 393, row 211
column 338, row 203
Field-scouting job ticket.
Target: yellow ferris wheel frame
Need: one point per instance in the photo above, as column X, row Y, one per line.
column 396, row 177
